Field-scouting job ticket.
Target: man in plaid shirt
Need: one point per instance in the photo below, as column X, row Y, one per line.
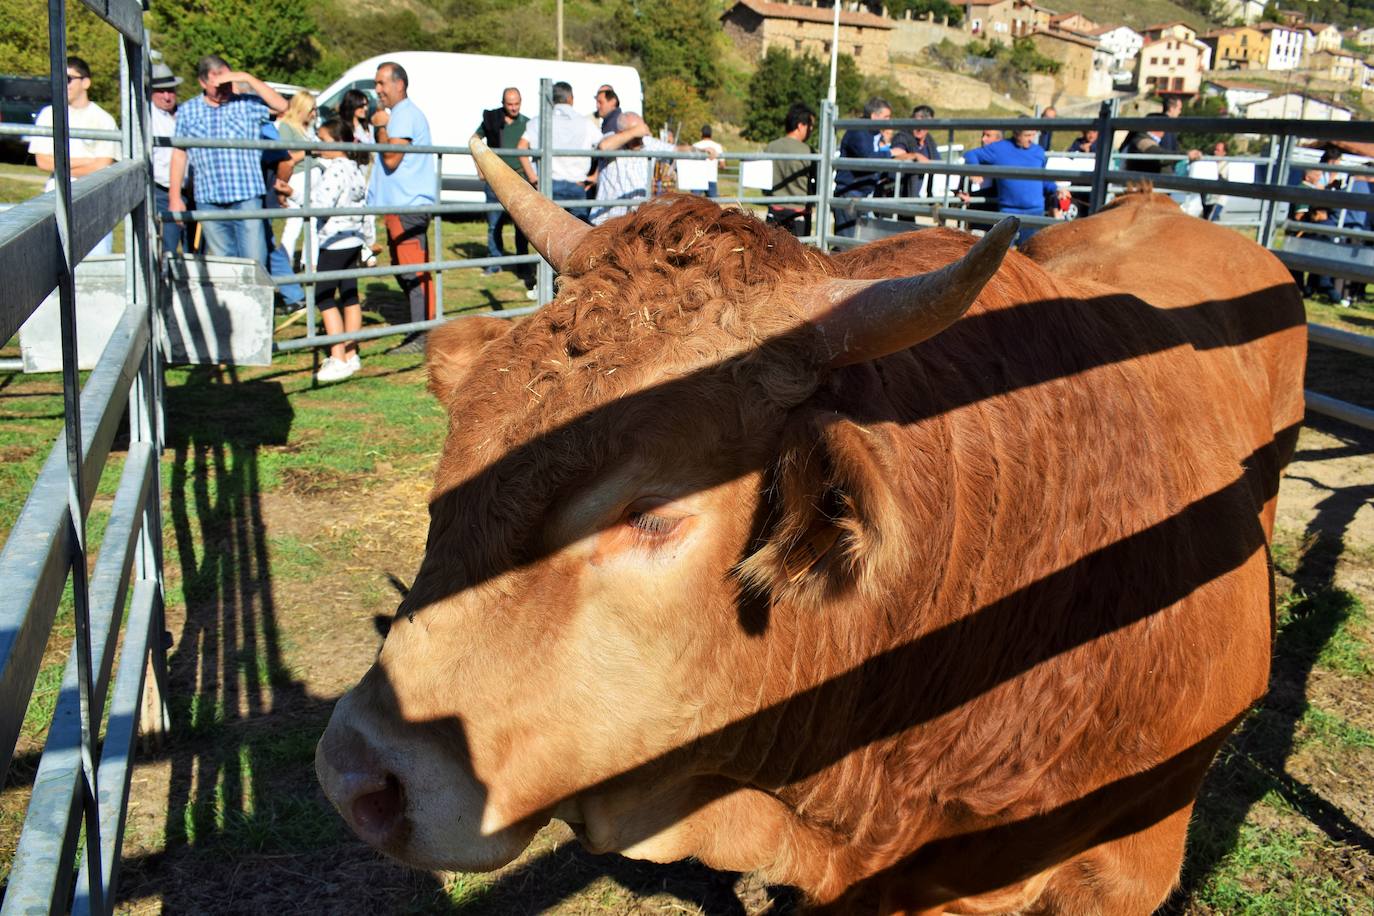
column 225, row 179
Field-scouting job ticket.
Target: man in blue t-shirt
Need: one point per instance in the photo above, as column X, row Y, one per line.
column 1022, row 196
column 861, row 143
column 402, row 179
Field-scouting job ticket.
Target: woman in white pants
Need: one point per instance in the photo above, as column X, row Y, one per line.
column 296, row 123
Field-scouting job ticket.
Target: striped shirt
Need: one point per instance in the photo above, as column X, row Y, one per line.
column 224, row 176
column 624, row 177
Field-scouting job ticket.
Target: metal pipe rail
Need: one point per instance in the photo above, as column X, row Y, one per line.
column 41, row 242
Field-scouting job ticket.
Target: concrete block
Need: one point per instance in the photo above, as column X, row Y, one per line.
column 100, row 301
column 217, row 310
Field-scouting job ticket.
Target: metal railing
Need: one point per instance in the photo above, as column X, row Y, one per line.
column 82, row 780
column 543, row 152
column 1112, row 170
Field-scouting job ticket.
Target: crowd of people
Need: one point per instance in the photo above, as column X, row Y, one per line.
column 237, row 105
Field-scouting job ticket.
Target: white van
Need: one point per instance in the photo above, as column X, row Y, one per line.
column 454, row 89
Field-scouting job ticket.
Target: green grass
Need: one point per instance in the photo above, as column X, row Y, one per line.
column 1333, row 731
column 1323, row 625
column 1266, row 876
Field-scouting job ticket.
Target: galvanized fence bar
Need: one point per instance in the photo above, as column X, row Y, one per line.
column 544, row 273
column 30, row 260
column 49, row 833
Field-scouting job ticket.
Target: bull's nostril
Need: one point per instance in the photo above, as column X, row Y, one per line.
column 377, row 814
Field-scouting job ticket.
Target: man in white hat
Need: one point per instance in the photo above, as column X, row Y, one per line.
column 163, row 89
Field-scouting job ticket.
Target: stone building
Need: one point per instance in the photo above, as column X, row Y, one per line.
column 757, row 25
column 1084, row 65
column 1004, row 20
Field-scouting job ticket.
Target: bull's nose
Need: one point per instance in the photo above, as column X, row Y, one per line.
column 374, row 805
column 368, row 795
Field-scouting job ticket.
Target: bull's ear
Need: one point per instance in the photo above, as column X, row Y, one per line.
column 452, row 348
column 831, row 521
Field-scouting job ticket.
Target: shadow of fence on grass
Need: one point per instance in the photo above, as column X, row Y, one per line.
column 1252, row 763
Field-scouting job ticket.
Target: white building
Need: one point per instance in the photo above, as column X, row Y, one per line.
column 1286, row 46
column 1246, row 12
column 1297, row 105
column 1121, row 42
column 1365, row 38
column 1236, row 93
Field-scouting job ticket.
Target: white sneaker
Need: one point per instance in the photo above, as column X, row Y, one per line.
column 531, row 295
column 353, row 362
column 334, row 370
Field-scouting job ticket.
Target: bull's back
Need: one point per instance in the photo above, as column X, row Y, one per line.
column 1230, row 297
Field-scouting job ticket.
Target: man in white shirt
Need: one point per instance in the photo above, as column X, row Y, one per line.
column 163, row 89
column 87, row 156
column 715, row 151
column 628, row 176
column 570, row 131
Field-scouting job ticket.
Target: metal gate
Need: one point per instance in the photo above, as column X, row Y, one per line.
column 82, row 781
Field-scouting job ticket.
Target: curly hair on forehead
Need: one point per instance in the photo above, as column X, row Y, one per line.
column 681, row 266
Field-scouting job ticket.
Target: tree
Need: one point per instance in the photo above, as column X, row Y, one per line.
column 497, row 27
column 24, row 46
column 678, row 38
column 1207, row 106
column 674, row 102
column 782, row 80
column 269, row 40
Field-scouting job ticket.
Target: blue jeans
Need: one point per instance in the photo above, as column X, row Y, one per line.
column 171, row 232
column 847, row 224
column 278, row 262
column 236, row 238
column 572, row 190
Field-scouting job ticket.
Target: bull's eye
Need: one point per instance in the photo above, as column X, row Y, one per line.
column 651, row 529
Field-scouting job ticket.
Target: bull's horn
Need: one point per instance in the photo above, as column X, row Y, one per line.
column 859, row 320
column 553, row 231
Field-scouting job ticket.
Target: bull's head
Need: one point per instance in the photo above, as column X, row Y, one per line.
column 653, row 531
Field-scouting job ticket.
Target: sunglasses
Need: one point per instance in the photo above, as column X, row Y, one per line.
column 73, row 77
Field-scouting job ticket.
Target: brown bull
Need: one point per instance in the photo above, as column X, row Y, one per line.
column 743, row 552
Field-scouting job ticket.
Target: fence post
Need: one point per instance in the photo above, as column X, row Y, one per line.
column 439, row 235
column 825, row 178
column 1278, row 176
column 1098, row 196
column 71, row 398
column 545, row 272
column 309, row 242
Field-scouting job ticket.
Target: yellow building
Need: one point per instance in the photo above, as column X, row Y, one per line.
column 757, row 25
column 1240, row 48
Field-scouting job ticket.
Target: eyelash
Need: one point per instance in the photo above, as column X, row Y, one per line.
column 650, row 530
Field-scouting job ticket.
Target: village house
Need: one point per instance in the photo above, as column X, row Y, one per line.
column 1337, row 66
column 1326, row 37
column 1004, row 20
column 1298, row 105
column 1179, row 30
column 1364, row 37
column 1245, row 11
column 1172, row 66
column 1239, row 48
column 1084, row 67
column 757, row 25
column 1122, row 42
column 1285, row 45
column 1072, row 22
column 1236, row 93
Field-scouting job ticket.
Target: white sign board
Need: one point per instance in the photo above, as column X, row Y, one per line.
column 756, row 173
column 696, row 174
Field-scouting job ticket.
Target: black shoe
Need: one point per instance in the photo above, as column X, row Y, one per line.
column 413, row 343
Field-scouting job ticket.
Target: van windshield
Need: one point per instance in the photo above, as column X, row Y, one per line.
column 329, row 108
